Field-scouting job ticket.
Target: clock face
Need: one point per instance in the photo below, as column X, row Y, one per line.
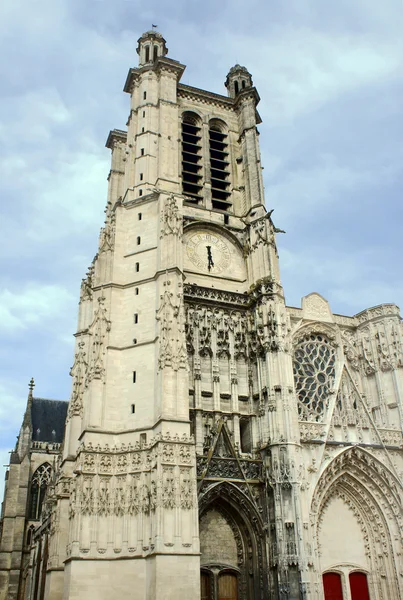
column 208, row 251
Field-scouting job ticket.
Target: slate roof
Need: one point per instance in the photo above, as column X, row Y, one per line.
column 48, row 419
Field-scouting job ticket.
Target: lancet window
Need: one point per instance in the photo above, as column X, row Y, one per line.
column 39, row 483
column 314, row 373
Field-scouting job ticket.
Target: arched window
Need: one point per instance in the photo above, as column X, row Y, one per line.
column 155, row 53
column 39, row 482
column 358, row 586
column 219, row 164
column 332, row 586
column 314, row 372
column 192, row 166
column 147, row 54
column 30, row 533
column 236, row 87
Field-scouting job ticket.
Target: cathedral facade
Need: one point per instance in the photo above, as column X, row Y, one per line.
column 218, row 444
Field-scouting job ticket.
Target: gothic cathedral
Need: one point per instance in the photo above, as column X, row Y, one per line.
column 218, row 445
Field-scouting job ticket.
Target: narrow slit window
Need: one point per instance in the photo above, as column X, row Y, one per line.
column 135, row 341
column 140, row 216
column 144, row 113
column 226, row 219
column 144, row 95
column 141, row 176
column 136, row 318
column 136, row 291
column 140, row 192
column 138, row 240
column 142, row 130
column 134, row 376
column 137, row 267
column 133, row 409
column 142, row 152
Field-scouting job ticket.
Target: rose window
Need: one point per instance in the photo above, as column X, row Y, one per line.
column 314, row 361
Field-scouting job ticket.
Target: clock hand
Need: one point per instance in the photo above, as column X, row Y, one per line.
column 210, row 262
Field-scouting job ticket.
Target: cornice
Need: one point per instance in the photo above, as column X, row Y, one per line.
column 115, row 135
column 161, row 64
column 245, row 94
column 203, row 96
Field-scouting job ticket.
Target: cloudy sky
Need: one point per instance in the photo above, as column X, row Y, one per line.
column 330, row 75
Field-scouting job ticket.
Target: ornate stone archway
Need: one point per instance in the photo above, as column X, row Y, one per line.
column 235, row 508
column 374, row 496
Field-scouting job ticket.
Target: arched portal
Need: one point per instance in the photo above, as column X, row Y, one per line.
column 357, row 513
column 232, row 545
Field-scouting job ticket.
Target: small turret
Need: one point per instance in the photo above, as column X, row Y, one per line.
column 151, row 45
column 237, row 80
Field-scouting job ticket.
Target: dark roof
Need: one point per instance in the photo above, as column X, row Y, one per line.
column 48, row 419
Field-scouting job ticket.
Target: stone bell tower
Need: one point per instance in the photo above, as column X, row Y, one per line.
column 175, row 384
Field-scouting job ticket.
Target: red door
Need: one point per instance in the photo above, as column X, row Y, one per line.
column 332, row 586
column 359, row 586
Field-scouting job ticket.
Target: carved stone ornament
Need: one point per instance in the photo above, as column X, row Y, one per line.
column 98, row 331
column 87, row 283
column 316, row 308
column 314, row 374
column 172, row 337
column 78, row 372
column 171, row 219
column 107, row 234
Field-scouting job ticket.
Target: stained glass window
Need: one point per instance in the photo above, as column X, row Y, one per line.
column 39, row 483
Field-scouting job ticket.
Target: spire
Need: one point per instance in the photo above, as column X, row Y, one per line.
column 151, row 45
column 27, row 416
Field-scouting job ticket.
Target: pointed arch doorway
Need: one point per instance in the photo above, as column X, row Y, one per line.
column 232, row 545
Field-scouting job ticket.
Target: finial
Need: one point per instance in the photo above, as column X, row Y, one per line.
column 31, row 386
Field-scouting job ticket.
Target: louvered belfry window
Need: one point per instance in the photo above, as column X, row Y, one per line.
column 192, row 163
column 219, row 165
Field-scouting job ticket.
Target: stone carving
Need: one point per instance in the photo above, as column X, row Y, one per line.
column 186, row 491
column 87, row 283
column 133, row 504
column 311, row 431
column 119, row 503
column 316, row 308
column 314, row 373
column 107, row 234
column 196, row 292
column 87, row 496
column 103, row 497
column 171, row 219
column 98, row 331
column 168, row 489
column 172, row 339
column 78, row 372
